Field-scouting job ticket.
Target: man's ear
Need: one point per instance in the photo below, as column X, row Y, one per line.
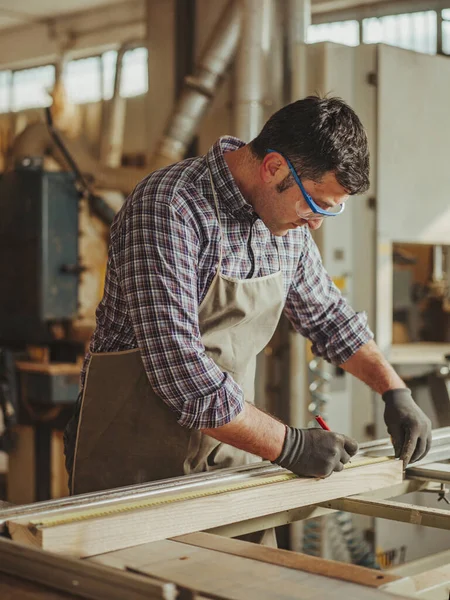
column 271, row 168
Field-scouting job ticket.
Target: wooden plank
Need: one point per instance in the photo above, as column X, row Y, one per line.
column 437, row 581
column 21, row 472
column 419, row 565
column 79, row 577
column 15, row 588
column 121, row 529
column 292, row 560
column 221, row 575
column 49, row 368
column 428, row 579
column 268, row 521
column 395, row 511
column 59, row 479
column 3, row 463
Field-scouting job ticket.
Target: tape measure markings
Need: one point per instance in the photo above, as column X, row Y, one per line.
column 83, row 515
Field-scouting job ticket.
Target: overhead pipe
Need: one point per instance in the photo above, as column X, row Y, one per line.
column 298, row 22
column 251, row 74
column 249, row 107
column 113, row 139
column 298, row 19
column 200, row 88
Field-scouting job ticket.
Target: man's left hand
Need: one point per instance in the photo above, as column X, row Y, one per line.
column 407, row 424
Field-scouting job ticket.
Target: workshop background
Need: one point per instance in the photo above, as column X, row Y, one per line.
column 135, row 85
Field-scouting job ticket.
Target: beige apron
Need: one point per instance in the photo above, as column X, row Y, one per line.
column 128, row 435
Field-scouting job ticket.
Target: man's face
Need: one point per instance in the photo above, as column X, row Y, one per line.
column 279, row 208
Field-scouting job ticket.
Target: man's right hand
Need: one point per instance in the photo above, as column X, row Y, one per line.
column 315, row 452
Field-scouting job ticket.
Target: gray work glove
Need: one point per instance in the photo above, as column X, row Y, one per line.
column 407, row 424
column 315, row 452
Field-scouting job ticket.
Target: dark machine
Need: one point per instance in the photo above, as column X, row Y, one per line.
column 40, row 271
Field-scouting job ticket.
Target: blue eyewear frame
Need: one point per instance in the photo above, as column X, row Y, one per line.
column 310, row 202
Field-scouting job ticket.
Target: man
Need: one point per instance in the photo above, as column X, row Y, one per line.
column 204, row 257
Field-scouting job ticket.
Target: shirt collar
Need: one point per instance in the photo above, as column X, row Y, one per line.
column 226, row 188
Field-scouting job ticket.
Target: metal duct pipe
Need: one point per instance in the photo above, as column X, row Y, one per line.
column 438, row 263
column 250, row 95
column 113, row 139
column 250, row 68
column 298, row 21
column 200, row 88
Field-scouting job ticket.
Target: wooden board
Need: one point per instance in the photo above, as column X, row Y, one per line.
column 15, row 588
column 21, row 476
column 3, row 463
column 123, row 529
column 436, row 581
column 291, row 560
column 221, row 575
column 86, row 580
column 59, row 478
column 21, row 462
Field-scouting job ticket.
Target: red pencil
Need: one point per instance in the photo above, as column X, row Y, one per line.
column 322, row 423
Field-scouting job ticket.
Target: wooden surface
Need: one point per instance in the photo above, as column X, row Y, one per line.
column 59, row 477
column 122, row 529
column 436, row 581
column 222, row 575
column 438, row 576
column 425, row 563
column 292, row 560
column 21, row 476
column 3, row 463
column 420, row 353
column 85, row 579
column 21, row 472
column 15, row 588
column 268, row 521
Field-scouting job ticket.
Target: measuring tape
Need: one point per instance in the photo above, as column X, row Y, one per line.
column 91, row 513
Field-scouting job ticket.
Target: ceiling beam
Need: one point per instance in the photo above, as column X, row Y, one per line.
column 325, row 11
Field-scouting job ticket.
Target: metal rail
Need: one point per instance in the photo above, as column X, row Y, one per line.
column 433, row 472
column 440, row 450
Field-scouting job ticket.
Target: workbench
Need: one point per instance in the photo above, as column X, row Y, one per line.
column 173, row 539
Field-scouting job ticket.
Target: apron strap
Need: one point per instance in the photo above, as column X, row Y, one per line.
column 216, row 202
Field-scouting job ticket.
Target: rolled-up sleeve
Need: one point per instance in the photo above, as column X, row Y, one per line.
column 157, row 272
column 317, row 310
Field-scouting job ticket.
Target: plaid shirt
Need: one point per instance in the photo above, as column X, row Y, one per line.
column 163, row 256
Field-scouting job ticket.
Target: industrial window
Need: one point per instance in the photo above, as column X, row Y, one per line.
column 446, row 31
column 30, row 87
column 5, row 91
column 109, row 60
column 82, row 80
column 92, row 79
column 86, row 80
column 341, row 32
column 413, row 31
column 134, row 73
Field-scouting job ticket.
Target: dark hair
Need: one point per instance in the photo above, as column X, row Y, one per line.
column 319, row 135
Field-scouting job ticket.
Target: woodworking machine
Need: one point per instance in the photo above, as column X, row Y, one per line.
column 53, row 250
column 148, row 535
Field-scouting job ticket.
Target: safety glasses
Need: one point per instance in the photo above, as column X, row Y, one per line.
column 316, row 212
